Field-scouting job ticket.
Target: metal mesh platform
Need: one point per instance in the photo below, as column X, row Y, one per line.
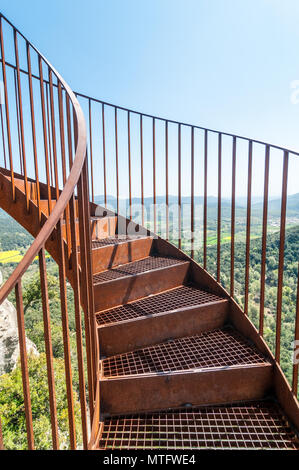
column 218, row 348
column 180, row 297
column 99, row 243
column 256, row 425
column 136, row 267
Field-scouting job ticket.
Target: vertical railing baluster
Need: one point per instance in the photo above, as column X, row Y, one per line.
column 205, row 202
column 192, row 192
column 33, row 130
column 7, row 110
column 54, row 148
column 24, row 365
column 91, row 367
column 63, row 162
column 1, row 436
column 179, row 187
column 248, row 223
column 48, row 347
column 141, row 168
column 18, row 124
column 3, row 138
column 77, row 303
column 91, row 150
column 49, row 134
column 90, row 292
column 166, row 180
column 65, row 335
column 233, row 219
column 281, row 254
column 154, row 174
column 19, row 93
column 219, row 208
column 296, row 343
column 104, row 153
column 42, row 94
column 129, row 165
column 116, row 162
column 264, row 241
column 76, row 289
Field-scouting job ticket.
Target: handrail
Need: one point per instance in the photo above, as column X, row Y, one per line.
column 67, row 191
column 171, row 121
column 68, row 221
column 186, row 124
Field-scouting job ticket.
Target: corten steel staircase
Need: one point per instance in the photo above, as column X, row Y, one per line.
column 172, row 360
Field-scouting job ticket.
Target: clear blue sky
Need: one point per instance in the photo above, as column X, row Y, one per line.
column 224, row 64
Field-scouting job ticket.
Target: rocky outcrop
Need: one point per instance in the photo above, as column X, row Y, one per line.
column 9, row 339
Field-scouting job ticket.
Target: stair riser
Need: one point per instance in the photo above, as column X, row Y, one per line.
column 138, row 394
column 120, row 291
column 110, row 256
column 101, row 228
column 44, row 205
column 142, row 332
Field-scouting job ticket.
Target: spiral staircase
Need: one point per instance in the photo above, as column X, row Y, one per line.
column 172, row 360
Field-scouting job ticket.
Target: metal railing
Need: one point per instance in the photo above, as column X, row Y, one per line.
column 173, row 164
column 43, row 150
column 167, row 171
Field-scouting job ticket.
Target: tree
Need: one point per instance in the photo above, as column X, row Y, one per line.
column 32, row 290
column 12, row 406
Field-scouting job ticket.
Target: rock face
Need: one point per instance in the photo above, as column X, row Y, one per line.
column 9, row 339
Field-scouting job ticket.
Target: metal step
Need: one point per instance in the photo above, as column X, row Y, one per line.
column 182, row 311
column 219, row 366
column 118, row 250
column 251, row 425
column 138, row 279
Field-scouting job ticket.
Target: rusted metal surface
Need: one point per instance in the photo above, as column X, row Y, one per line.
column 248, row 223
column 142, row 299
column 48, row 347
column 205, row 203
column 296, row 346
column 110, row 252
column 281, row 254
column 253, row 425
column 264, row 241
column 145, row 330
column 24, row 365
column 233, row 219
column 131, row 394
column 192, row 192
column 219, row 348
column 126, row 284
column 25, row 206
column 7, row 108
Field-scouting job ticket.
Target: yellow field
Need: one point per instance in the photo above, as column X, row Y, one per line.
column 12, row 256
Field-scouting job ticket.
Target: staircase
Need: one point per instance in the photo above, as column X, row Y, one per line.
column 177, row 369
column 172, row 360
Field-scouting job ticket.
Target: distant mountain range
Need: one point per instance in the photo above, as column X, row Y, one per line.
column 274, row 204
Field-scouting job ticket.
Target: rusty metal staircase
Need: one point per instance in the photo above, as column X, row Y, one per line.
column 173, row 361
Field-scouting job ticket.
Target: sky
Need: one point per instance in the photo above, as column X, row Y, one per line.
column 221, row 64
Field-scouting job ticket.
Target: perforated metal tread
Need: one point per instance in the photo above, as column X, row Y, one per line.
column 136, row 267
column 219, row 348
column 253, row 425
column 100, row 242
column 180, row 297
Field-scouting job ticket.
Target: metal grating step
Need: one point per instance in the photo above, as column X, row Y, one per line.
column 219, row 348
column 254, row 425
column 136, row 267
column 180, row 297
column 99, row 243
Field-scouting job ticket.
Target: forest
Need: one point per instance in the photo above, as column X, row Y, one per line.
column 13, row 237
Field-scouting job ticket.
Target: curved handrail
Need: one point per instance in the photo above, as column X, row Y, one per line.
column 186, row 124
column 80, row 154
